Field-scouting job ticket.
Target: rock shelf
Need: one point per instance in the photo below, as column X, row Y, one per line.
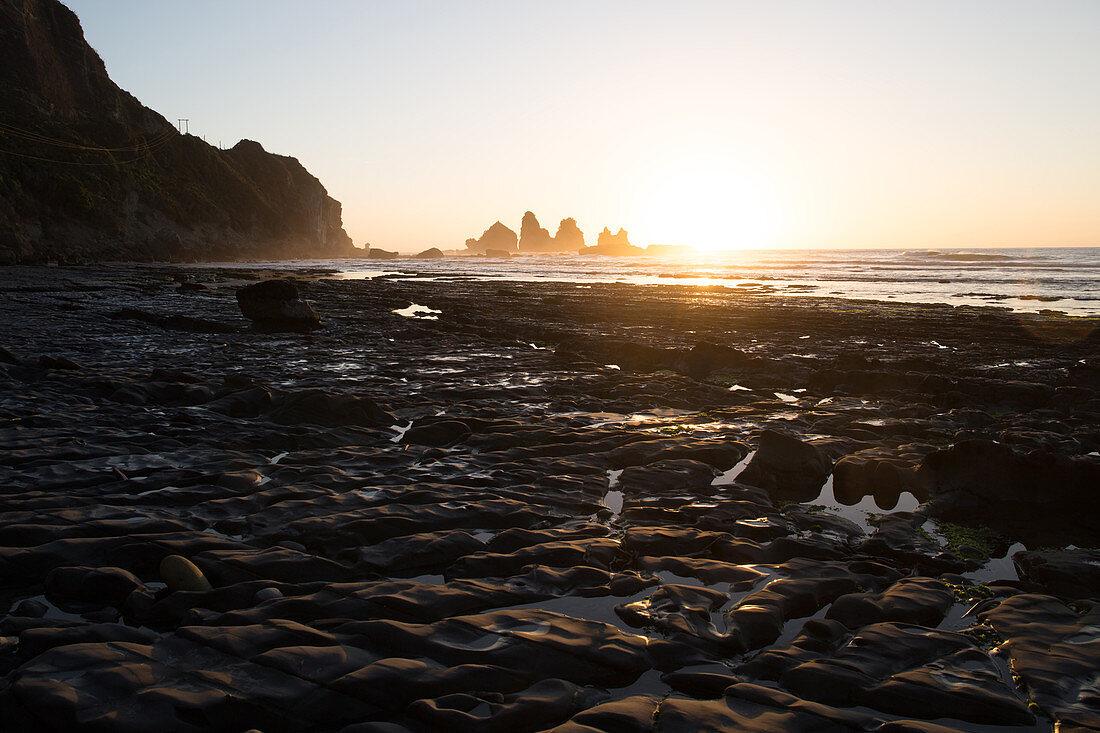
column 611, row 508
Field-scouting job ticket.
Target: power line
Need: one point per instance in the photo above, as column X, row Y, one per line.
column 31, row 136
column 144, row 155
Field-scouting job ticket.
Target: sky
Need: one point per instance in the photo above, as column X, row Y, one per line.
column 849, row 123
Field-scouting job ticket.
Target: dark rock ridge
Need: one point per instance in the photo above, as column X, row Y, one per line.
column 89, row 173
column 498, row 237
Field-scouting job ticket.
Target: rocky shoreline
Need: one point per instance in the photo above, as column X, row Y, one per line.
column 536, row 506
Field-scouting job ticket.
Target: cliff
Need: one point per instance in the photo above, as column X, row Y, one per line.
column 89, row 173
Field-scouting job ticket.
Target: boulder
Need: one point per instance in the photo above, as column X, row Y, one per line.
column 430, row 254
column 381, row 254
column 274, row 305
column 788, row 466
column 179, row 573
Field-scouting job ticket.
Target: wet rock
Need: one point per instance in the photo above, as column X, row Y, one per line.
column 33, row 642
column 877, row 652
column 173, row 322
column 1053, row 651
column 922, row 601
column 668, row 476
column 898, row 539
column 788, row 466
column 436, row 433
column 881, row 473
column 705, row 358
column 320, row 407
column 630, row 715
column 1066, row 573
column 722, row 455
column 57, row 362
column 89, row 589
column 275, row 305
column 702, row 685
column 979, row 480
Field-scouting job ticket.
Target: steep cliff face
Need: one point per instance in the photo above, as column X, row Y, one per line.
column 89, row 173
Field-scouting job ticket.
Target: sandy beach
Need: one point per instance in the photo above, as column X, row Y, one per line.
column 473, row 506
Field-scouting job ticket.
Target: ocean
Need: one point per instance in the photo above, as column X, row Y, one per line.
column 1052, row 278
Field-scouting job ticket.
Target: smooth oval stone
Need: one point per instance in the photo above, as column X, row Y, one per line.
column 266, row 594
column 179, row 573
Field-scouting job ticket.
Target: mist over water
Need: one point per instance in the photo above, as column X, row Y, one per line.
column 1056, row 278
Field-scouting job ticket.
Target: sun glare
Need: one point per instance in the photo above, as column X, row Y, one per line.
column 709, row 208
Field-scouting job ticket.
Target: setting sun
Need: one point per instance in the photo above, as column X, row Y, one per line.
column 710, row 208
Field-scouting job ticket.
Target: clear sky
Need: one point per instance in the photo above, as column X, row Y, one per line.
column 849, row 123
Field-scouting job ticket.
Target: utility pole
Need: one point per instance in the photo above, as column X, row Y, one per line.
column 181, row 122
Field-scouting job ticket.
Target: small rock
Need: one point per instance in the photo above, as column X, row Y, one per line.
column 30, row 608
column 266, row 594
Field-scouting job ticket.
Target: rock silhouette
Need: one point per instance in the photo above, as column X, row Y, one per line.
column 614, row 245
column 497, row 237
column 569, row 238
column 532, row 237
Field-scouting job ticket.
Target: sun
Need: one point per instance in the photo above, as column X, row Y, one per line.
column 710, row 208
